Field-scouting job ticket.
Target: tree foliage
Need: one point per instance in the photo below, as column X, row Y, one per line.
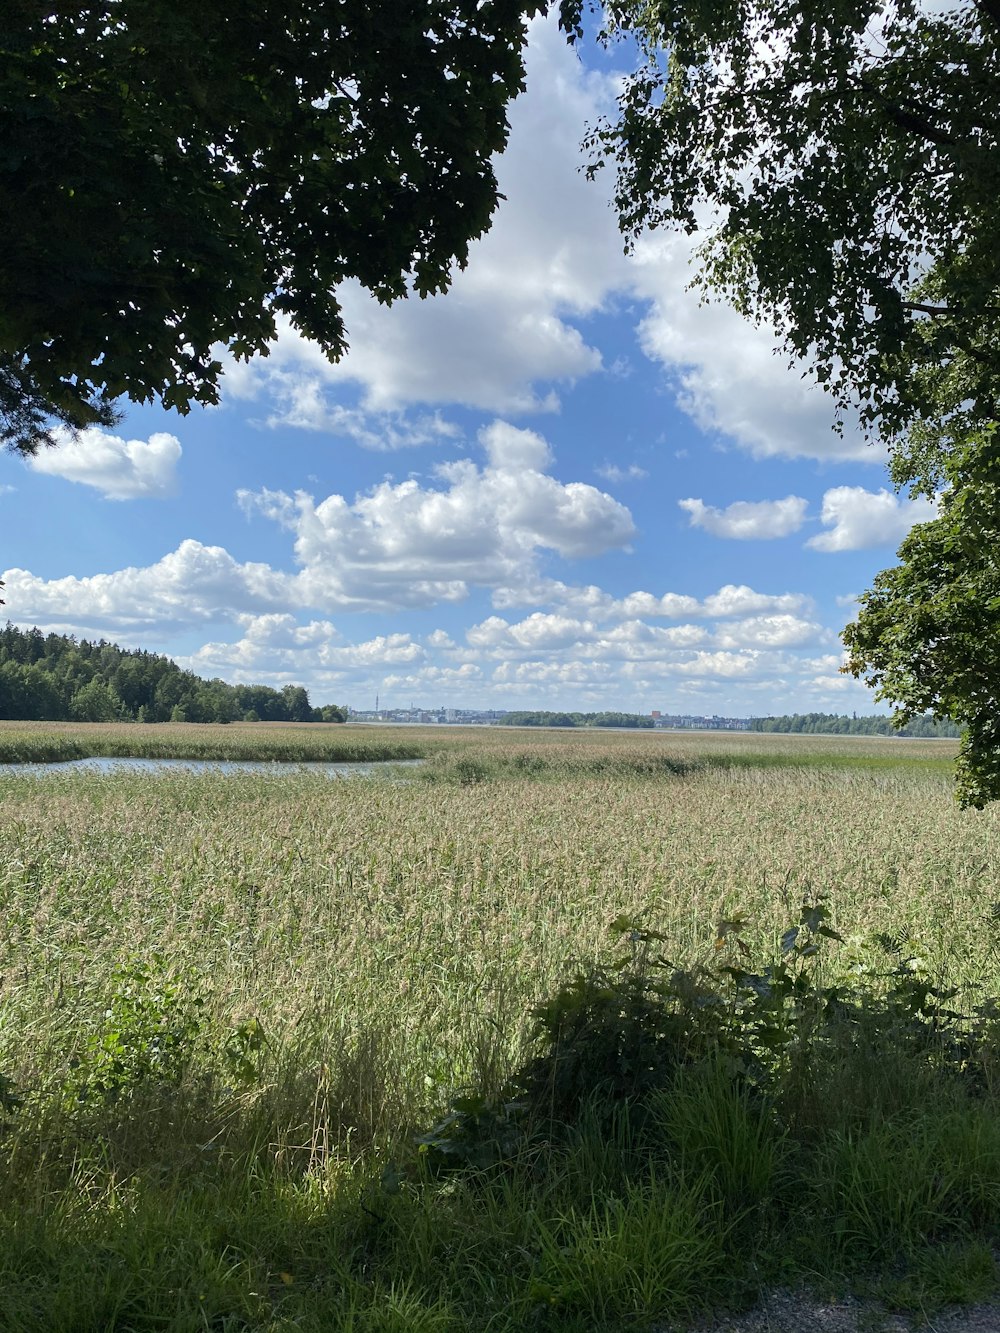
column 928, row 631
column 839, row 724
column 832, row 152
column 844, row 161
column 540, row 718
column 179, row 177
column 54, row 677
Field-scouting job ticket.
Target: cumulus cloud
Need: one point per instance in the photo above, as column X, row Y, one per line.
column 736, row 599
column 509, row 448
column 301, row 402
column 407, row 544
column 857, row 519
column 273, row 647
column 636, row 641
column 540, row 660
column 455, row 682
column 747, row 520
column 399, row 545
column 440, row 638
column 728, row 665
column 778, row 631
column 730, row 375
column 593, row 602
column 191, row 585
column 119, row 469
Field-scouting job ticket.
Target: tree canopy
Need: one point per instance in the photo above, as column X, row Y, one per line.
column 928, row 632
column 176, row 178
column 839, row 724
column 843, row 160
column 541, row 718
column 833, row 152
column 52, row 677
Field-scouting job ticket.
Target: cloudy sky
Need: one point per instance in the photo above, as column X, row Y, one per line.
column 565, row 484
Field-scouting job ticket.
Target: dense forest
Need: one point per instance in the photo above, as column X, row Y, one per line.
column 55, row 677
column 833, row 724
column 541, row 719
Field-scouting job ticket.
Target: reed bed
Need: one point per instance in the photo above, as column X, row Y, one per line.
column 229, row 1003
column 287, row 742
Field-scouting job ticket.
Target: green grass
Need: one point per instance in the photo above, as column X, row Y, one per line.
column 230, row 1006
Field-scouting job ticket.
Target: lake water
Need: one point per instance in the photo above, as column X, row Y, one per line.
column 155, row 766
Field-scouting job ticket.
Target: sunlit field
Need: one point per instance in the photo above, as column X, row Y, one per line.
column 22, row 742
column 228, row 1004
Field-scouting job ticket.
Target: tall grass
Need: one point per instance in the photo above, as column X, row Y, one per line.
column 469, row 753
column 53, row 742
column 229, row 1005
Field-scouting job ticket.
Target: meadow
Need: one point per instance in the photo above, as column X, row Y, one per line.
column 283, row 1053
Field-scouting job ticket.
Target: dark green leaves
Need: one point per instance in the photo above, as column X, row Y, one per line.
column 172, row 176
column 927, row 633
column 839, row 149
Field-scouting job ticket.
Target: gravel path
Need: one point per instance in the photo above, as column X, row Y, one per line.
column 790, row 1312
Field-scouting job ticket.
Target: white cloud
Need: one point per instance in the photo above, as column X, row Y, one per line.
column 411, row 545
column 399, row 545
column 676, row 648
column 776, row 631
column 736, row 599
column 727, row 665
column 858, row 519
column 747, row 520
column 119, row 469
column 613, row 473
column 511, row 448
column 455, row 682
column 440, row 638
column 730, row 375
column 7, row 490
column 592, row 601
column 191, row 585
column 555, row 647
column 564, row 676
column 269, row 650
column 302, row 402
column 596, row 604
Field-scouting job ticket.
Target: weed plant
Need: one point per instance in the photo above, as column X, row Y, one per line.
column 285, row 1054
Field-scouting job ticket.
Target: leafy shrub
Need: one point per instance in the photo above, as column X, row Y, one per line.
column 762, row 1040
column 146, row 1033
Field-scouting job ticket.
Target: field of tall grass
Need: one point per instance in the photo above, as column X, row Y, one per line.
column 278, row 1053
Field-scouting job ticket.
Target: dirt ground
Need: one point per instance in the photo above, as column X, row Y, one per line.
column 789, row 1312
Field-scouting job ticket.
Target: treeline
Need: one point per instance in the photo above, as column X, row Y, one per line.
column 834, row 724
column 536, row 719
column 55, row 677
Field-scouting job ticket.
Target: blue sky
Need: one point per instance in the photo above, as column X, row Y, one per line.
column 564, row 484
